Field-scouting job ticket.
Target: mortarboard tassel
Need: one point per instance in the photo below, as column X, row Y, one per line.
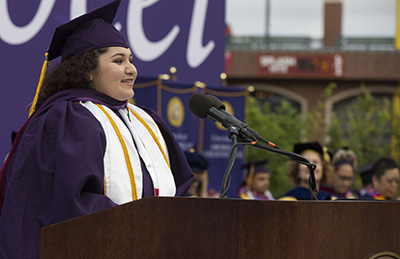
column 42, row 74
column 250, row 177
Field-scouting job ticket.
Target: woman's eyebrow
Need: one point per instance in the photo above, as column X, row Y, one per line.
column 121, row 54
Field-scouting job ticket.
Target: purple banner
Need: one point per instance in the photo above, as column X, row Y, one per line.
column 186, row 34
column 146, row 92
column 175, row 111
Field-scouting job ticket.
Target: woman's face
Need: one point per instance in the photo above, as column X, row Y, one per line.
column 116, row 74
column 260, row 182
column 314, row 158
column 388, row 183
column 343, row 178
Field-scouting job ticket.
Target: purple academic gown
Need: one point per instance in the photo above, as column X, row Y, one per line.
column 56, row 171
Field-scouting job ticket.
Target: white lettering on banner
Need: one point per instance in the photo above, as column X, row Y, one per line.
column 78, row 7
column 144, row 49
column 141, row 46
column 220, row 147
column 196, row 53
column 338, row 65
column 15, row 35
column 279, row 65
column 219, row 138
column 181, row 136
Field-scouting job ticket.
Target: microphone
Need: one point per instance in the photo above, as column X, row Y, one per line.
column 210, row 107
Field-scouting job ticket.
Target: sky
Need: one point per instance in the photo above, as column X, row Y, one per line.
column 304, row 18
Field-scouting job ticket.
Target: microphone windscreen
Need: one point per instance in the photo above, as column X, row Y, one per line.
column 199, row 104
column 217, row 102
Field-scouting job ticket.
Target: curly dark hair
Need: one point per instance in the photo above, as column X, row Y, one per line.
column 383, row 164
column 70, row 73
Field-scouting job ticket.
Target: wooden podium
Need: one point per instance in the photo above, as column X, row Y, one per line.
column 228, row 228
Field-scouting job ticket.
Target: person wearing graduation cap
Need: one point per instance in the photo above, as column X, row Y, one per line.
column 84, row 148
column 365, row 173
column 199, row 165
column 299, row 174
column 256, row 184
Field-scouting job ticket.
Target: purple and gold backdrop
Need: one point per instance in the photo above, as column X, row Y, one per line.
column 187, row 34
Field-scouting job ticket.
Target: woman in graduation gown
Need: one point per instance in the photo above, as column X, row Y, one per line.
column 84, row 148
column 299, row 174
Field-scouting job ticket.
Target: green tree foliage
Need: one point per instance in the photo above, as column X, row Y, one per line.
column 282, row 127
column 367, row 127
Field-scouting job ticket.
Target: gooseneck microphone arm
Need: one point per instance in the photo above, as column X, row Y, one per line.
column 226, row 180
column 212, row 108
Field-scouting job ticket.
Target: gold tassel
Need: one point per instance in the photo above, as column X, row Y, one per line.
column 250, row 177
column 42, row 74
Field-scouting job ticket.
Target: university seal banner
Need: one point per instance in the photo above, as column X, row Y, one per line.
column 170, row 99
column 174, row 109
column 186, row 34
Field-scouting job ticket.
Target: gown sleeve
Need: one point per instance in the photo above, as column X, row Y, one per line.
column 55, row 174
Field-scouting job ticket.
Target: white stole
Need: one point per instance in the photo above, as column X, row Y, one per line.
column 139, row 142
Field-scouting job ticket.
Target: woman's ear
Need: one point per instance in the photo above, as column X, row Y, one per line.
column 375, row 181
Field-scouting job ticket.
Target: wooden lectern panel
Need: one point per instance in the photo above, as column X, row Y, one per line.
column 228, row 228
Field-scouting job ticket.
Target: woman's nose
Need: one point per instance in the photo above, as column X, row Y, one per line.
column 131, row 69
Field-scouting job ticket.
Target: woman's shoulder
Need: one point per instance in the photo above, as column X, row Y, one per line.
column 301, row 193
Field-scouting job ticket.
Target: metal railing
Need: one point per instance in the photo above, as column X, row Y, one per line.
column 249, row 43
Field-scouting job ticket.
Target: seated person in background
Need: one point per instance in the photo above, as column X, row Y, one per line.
column 199, row 166
column 365, row 173
column 299, row 174
column 385, row 180
column 256, row 183
column 339, row 186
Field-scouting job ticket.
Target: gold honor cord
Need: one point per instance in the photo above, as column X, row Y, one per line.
column 42, row 74
column 152, row 134
column 127, row 159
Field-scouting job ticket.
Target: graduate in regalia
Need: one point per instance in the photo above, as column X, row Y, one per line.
column 84, row 148
column 256, row 182
column 199, row 165
column 299, row 174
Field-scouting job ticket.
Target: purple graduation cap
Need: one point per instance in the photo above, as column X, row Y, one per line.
column 197, row 162
column 254, row 168
column 92, row 30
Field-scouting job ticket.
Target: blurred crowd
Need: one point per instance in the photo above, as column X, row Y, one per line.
column 334, row 174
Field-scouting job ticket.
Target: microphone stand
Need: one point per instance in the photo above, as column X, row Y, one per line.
column 233, row 135
column 226, row 180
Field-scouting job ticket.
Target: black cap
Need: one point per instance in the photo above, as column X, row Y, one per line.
column 197, row 162
column 299, row 148
column 365, row 173
column 89, row 31
column 256, row 167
